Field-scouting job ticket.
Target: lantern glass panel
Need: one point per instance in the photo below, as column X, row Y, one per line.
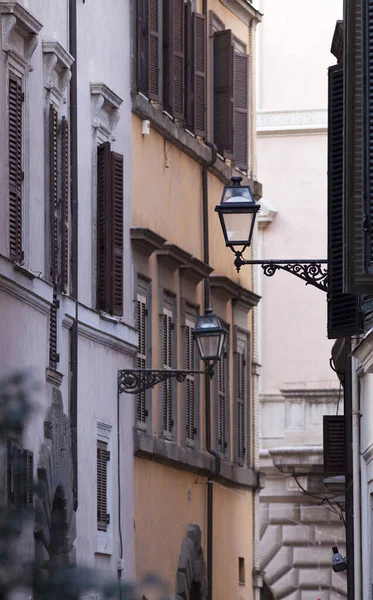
column 208, row 346
column 238, row 226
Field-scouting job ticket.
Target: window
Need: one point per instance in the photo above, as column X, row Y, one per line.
column 103, row 456
column 241, row 570
column 20, row 472
column 190, row 383
column 143, row 352
column 242, row 405
column 110, row 230
column 16, row 175
column 230, row 97
column 168, row 353
column 223, row 402
column 171, row 59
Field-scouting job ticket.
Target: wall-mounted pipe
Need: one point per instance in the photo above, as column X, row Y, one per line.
column 73, row 408
column 216, row 456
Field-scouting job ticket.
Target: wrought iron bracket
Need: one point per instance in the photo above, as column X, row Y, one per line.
column 313, row 272
column 135, row 381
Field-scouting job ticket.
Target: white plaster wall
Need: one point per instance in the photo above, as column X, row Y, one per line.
column 103, row 56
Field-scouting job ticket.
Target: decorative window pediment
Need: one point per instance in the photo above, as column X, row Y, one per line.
column 105, row 109
column 19, row 30
column 57, row 65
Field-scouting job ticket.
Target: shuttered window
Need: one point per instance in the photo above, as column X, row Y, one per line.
column 65, row 205
column 110, row 230
column 190, row 383
column 334, row 444
column 173, row 57
column 142, row 328
column 241, row 103
column 343, row 314
column 222, row 404
column 195, row 71
column 168, row 350
column 53, row 192
column 368, row 142
column 15, row 99
column 223, row 92
column 53, row 355
column 241, row 403
column 357, row 223
column 103, row 456
column 149, row 18
column 20, row 472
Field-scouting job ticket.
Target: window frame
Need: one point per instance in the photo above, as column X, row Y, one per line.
column 168, row 308
column 225, row 454
column 242, row 342
column 104, row 539
column 190, row 312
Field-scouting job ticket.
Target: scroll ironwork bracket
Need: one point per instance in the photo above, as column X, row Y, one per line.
column 312, row 272
column 135, row 381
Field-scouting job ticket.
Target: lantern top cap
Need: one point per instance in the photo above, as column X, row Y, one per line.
column 237, row 193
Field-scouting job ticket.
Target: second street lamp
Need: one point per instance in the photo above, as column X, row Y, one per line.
column 237, row 212
column 209, row 336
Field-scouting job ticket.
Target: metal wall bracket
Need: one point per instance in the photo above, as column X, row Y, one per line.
column 313, row 272
column 135, row 381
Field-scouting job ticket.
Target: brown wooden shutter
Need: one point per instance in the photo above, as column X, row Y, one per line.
column 190, row 382
column 104, row 226
column 154, row 50
column 200, row 103
column 110, row 230
column 117, row 233
column 142, row 46
column 141, row 323
column 53, row 355
column 240, row 406
column 357, row 242
column 368, row 138
column 167, row 364
column 103, row 519
column 222, row 392
column 15, row 99
column 189, row 62
column 173, row 57
column 334, row 444
column 65, row 206
column 28, row 477
column 223, row 92
column 15, row 475
column 53, row 191
column 343, row 314
column 241, row 103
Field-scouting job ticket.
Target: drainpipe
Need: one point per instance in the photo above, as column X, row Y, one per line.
column 356, row 478
column 349, row 494
column 216, row 456
column 73, row 409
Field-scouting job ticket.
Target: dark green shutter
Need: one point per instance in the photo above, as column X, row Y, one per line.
column 65, row 205
column 343, row 314
column 173, row 57
column 334, row 444
column 200, row 58
column 223, row 92
column 117, row 233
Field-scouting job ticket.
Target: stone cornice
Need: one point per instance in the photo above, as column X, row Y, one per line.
column 56, row 59
column 15, row 17
column 159, row 450
column 173, row 257
column 302, row 459
column 266, row 215
column 105, row 108
column 231, row 290
column 145, row 240
column 26, row 286
column 244, row 10
column 196, row 270
column 295, row 122
column 186, row 142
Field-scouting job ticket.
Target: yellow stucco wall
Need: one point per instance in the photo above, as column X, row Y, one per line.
column 167, row 198
column 166, row 502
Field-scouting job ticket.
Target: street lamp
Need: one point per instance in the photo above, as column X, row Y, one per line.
column 209, row 336
column 237, row 213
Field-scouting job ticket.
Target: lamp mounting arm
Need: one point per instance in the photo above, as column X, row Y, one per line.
column 135, row 381
column 312, row 271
